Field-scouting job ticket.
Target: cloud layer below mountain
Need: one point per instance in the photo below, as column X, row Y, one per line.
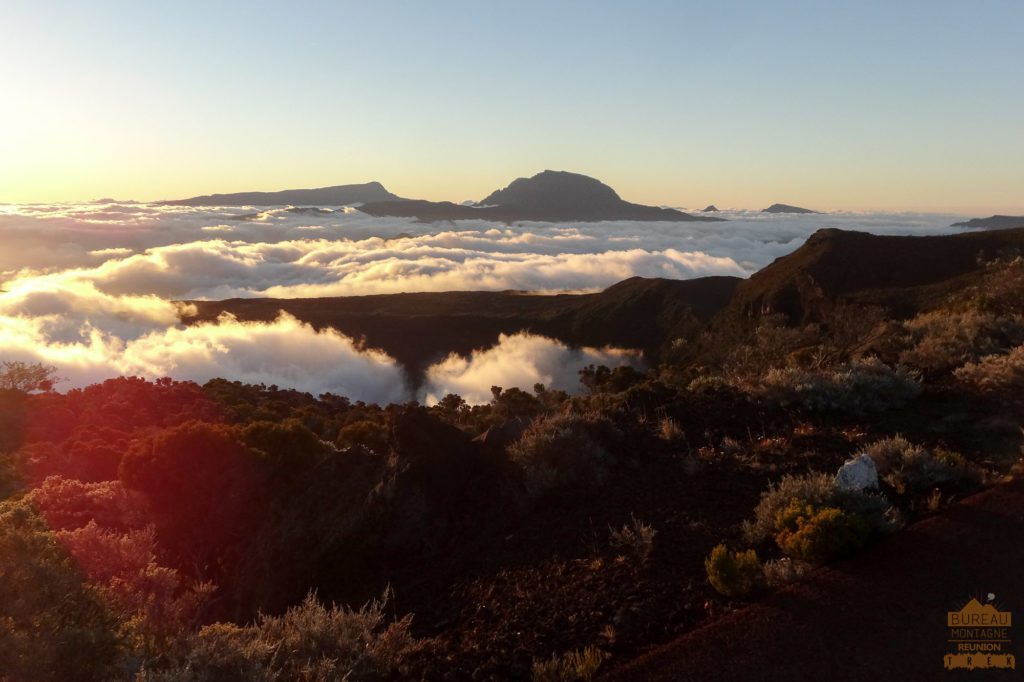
column 90, row 288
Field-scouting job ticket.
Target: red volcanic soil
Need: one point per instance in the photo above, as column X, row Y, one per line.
column 878, row 616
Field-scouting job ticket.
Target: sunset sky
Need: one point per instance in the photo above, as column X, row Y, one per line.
column 872, row 105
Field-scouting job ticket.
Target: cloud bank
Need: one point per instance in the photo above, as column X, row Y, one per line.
column 91, row 288
column 522, row 361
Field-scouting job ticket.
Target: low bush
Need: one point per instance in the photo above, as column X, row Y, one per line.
column 53, row 626
column 310, row 642
column 816, row 490
column 733, row 574
column 572, row 666
column 565, row 449
column 913, row 470
column 942, row 340
column 635, row 537
column 995, row 374
column 784, row 571
column 862, row 386
column 818, row 535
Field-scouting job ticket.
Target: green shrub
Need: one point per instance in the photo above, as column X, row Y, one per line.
column 816, row 490
column 734, row 574
column 913, row 470
column 819, row 534
column 572, row 666
column 52, row 625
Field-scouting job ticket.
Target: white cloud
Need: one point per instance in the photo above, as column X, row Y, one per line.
column 519, row 361
column 89, row 287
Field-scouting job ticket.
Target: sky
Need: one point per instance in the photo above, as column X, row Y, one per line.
column 910, row 106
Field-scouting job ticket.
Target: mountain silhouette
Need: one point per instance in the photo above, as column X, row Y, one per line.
column 337, row 195
column 550, row 196
column 786, row 208
column 901, row 274
column 996, row 222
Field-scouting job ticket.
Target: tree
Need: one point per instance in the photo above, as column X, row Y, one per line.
column 205, row 488
column 20, row 376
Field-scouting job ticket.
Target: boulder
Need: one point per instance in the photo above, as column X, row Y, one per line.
column 858, row 474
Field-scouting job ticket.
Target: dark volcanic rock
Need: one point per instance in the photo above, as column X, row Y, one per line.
column 338, row 195
column 996, row 222
column 785, row 208
column 551, row 196
column 710, row 209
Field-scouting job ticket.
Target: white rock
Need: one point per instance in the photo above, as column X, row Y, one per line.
column 858, row 474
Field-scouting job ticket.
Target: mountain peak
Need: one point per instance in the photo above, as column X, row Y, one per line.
column 554, row 188
column 786, row 208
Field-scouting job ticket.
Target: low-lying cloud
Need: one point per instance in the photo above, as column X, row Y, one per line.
column 91, row 288
column 521, row 361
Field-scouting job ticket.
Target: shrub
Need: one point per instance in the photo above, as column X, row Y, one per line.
column 819, row 534
column 370, row 434
column 816, row 490
column 770, row 346
column 862, row 386
column 636, row 536
column 310, row 642
column 913, row 470
column 669, row 430
column 782, row 572
column 52, row 626
column 1002, row 374
column 155, row 601
column 565, row 449
column 942, row 340
column 734, row 574
column 572, row 666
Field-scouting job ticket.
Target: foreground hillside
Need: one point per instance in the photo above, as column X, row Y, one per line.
column 169, row 531
column 878, row 600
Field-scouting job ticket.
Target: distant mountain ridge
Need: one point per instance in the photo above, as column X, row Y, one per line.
column 549, row 196
column 996, row 222
column 337, row 195
column 786, row 208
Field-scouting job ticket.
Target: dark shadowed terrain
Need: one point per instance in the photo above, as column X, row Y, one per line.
column 421, row 328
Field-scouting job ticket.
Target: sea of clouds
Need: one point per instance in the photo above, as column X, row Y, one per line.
column 95, row 289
